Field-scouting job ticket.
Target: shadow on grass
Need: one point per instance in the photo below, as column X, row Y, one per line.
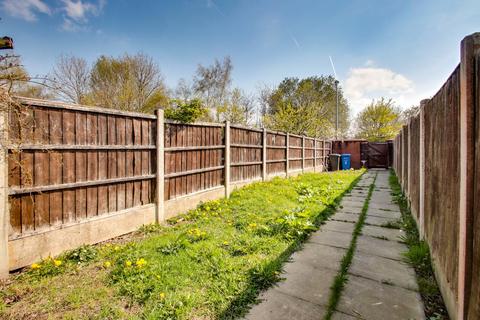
column 265, row 276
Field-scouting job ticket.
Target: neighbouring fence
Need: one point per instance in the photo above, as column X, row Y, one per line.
column 437, row 160
column 76, row 174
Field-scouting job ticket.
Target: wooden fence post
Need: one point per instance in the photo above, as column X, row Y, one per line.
column 303, row 154
column 315, row 155
column 470, row 47
column 264, row 155
column 160, row 197
column 287, row 146
column 4, row 210
column 227, row 159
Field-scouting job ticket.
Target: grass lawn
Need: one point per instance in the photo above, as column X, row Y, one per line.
column 210, row 263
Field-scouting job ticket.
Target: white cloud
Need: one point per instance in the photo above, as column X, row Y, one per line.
column 77, row 13
column 367, row 83
column 25, row 9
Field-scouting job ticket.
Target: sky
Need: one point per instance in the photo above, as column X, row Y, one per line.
column 399, row 49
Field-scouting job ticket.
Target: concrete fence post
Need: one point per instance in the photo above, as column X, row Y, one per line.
column 264, row 155
column 469, row 49
column 160, row 196
column 409, row 161
column 227, row 159
column 303, row 154
column 421, row 208
column 4, row 210
column 287, row 147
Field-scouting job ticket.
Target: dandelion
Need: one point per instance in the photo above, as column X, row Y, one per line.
column 107, row 264
column 252, row 225
column 140, row 262
column 57, row 263
column 162, row 295
column 35, row 266
column 157, row 276
column 116, row 248
column 128, row 263
column 225, row 243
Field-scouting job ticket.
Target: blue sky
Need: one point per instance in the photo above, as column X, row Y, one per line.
column 399, row 49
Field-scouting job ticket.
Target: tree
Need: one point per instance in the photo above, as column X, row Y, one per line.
column 238, row 109
column 410, row 112
column 131, row 83
column 212, row 83
column 185, row 112
column 70, row 78
column 307, row 106
column 379, row 121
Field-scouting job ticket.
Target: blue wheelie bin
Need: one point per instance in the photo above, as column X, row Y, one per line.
column 345, row 161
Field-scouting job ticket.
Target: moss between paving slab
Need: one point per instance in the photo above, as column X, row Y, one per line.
column 418, row 255
column 342, row 276
column 208, row 264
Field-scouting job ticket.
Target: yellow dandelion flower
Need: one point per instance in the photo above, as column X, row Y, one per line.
column 57, row 263
column 140, row 262
column 35, row 266
column 116, row 248
column 128, row 263
column 252, row 225
column 225, row 243
column 107, row 264
column 162, row 295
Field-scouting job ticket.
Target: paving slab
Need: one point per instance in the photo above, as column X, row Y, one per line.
column 319, row 255
column 277, row 305
column 307, row 282
column 383, row 270
column 387, row 249
column 370, row 299
column 338, row 226
column 384, row 214
column 349, row 217
column 379, row 221
column 389, row 234
column 331, row 238
column 383, row 206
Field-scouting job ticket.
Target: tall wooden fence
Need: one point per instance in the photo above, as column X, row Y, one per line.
column 437, row 160
column 78, row 174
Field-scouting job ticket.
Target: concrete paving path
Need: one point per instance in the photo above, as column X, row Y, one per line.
column 380, row 285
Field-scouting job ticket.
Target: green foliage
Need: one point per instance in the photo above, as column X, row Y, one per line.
column 307, row 106
column 185, row 112
column 380, row 121
column 418, row 256
column 82, row 254
column 130, row 82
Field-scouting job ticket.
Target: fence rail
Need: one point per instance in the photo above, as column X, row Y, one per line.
column 75, row 170
column 437, row 160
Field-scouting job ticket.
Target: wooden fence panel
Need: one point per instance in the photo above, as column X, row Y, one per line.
column 245, row 154
column 276, row 153
column 473, row 306
column 309, row 153
column 441, row 178
column 295, row 153
column 194, row 156
column 60, row 168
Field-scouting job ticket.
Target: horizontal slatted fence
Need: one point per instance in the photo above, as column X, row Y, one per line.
column 81, row 167
column 71, row 165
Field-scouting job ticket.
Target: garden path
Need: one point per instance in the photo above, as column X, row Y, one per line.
column 379, row 284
